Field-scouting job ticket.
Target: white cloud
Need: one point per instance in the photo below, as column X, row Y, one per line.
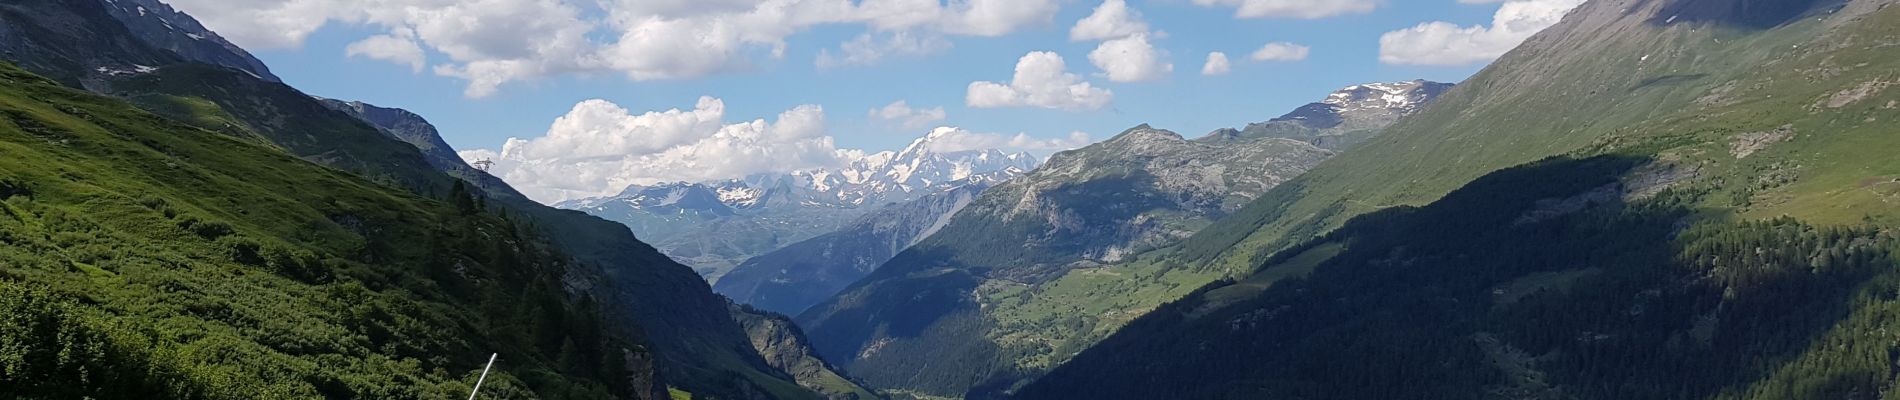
column 398, row 47
column 952, row 139
column 1041, row 80
column 1113, row 19
column 1131, row 59
column 901, row 114
column 600, row 147
column 868, row 50
column 1444, row 43
column 1305, row 9
column 1281, row 51
column 997, row 17
column 490, row 43
column 1217, row 64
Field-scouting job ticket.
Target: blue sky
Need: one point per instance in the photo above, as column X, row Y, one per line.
column 1345, row 48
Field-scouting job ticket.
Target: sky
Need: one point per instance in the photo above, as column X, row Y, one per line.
column 576, row 98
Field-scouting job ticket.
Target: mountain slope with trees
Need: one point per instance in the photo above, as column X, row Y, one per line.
column 1713, row 216
column 691, row 342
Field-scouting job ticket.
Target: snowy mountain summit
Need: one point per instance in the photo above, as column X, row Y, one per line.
column 1367, row 105
column 698, row 222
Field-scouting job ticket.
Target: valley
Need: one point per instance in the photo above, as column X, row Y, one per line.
column 1617, row 199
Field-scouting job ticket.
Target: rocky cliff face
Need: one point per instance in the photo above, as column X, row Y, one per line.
column 784, row 347
column 164, row 28
column 87, row 43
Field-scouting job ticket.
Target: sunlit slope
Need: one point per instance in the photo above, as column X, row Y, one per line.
column 1611, row 69
column 145, row 257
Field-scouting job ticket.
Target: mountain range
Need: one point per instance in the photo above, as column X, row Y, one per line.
column 1035, row 267
column 715, row 226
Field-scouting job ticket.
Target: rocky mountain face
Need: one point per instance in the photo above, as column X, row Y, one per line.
column 86, row 43
column 1346, row 117
column 715, row 226
column 407, row 127
column 793, row 278
column 785, row 347
column 1619, row 208
column 167, row 29
column 1044, row 264
column 671, row 328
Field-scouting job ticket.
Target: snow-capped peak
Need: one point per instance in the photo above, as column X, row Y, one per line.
column 1385, row 95
column 866, row 179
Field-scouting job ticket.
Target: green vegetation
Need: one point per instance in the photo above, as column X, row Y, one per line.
column 1578, row 88
column 1718, row 223
column 1685, row 306
column 148, row 256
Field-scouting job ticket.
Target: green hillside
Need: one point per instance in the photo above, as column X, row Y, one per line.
column 146, row 257
column 1717, row 222
column 697, row 346
column 1608, row 73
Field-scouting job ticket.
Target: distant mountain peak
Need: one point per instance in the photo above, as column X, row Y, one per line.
column 1370, row 105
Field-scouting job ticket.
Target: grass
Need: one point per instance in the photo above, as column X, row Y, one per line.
column 1296, row 267
column 227, row 268
column 1057, row 319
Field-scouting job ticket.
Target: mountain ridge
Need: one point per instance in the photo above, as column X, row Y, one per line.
column 726, row 222
column 1048, row 262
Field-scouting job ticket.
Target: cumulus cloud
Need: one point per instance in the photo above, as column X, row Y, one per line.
column 867, row 49
column 398, row 47
column 599, row 147
column 952, row 139
column 1042, row 80
column 996, row 17
column 1281, row 51
column 902, row 115
column 1112, row 19
column 1304, row 9
column 1217, row 64
column 1444, row 43
column 1126, row 53
column 1131, row 59
column 490, row 43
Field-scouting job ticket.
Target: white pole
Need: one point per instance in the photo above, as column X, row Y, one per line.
column 478, row 381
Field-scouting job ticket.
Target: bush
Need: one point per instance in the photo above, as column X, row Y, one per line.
column 12, row 187
column 208, row 230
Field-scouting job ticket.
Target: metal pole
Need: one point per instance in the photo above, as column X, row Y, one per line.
column 478, row 381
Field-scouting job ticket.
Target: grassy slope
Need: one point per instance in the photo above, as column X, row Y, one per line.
column 700, row 349
column 1568, row 88
column 215, row 267
column 1703, row 90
